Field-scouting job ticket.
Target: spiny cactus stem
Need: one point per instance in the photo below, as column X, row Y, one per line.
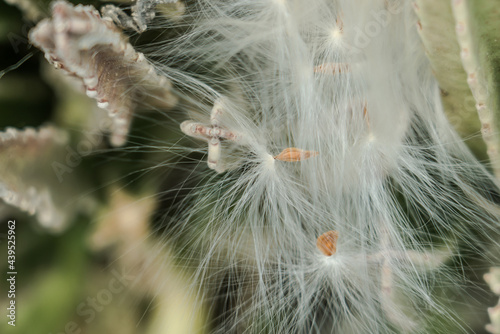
column 477, row 82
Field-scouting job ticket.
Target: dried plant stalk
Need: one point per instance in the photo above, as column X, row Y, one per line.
column 80, row 42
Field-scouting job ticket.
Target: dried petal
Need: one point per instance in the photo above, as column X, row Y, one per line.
column 327, row 243
column 293, row 154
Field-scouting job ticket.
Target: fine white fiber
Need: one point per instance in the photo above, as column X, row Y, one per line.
column 345, row 88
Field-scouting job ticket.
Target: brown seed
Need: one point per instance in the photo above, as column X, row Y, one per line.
column 332, row 68
column 327, row 243
column 293, row 154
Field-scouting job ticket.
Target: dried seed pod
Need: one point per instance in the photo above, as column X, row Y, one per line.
column 77, row 40
column 293, row 154
column 327, row 243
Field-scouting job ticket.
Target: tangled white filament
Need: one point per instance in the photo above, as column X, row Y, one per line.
column 349, row 80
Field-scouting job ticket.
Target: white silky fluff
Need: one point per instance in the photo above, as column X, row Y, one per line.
column 399, row 186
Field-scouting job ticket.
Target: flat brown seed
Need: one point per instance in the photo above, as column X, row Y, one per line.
column 332, row 68
column 293, row 154
column 327, row 243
